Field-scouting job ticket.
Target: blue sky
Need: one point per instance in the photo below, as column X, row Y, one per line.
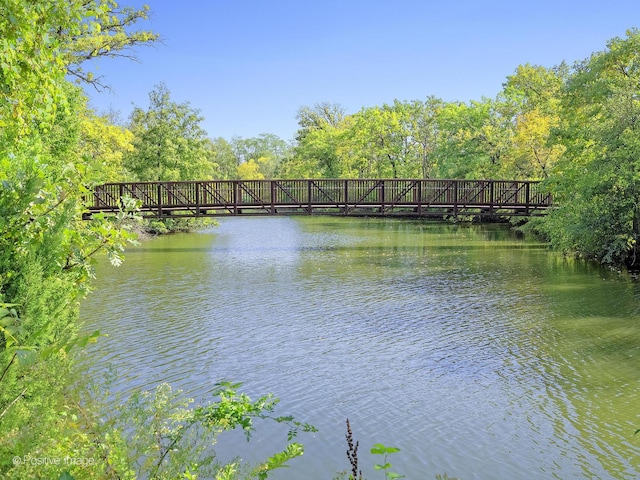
column 249, row 65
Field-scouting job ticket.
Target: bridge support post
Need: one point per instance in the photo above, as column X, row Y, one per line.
column 272, row 184
column 120, row 195
column 346, row 197
column 159, row 192
column 197, row 186
column 491, row 198
column 235, row 197
column 455, row 199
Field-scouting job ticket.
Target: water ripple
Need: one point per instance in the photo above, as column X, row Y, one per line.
column 461, row 354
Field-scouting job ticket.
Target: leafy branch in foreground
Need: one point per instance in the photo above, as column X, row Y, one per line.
column 108, row 30
column 161, row 434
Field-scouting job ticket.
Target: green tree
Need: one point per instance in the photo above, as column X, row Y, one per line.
column 533, row 87
column 473, row 138
column 534, row 94
column 107, row 30
column 267, row 151
column 103, row 146
column 30, row 75
column 45, row 247
column 380, row 139
column 320, row 153
column 321, row 116
column 424, row 125
column 249, row 170
column 596, row 183
column 169, row 142
column 534, row 153
column 397, row 140
column 224, row 159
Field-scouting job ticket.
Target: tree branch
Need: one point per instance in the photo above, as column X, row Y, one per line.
column 4, row 372
column 12, row 403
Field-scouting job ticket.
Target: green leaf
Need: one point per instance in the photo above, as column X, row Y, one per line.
column 393, row 475
column 380, row 449
column 26, row 355
column 279, row 460
column 4, row 312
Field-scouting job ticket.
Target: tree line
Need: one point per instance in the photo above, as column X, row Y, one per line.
column 506, row 137
column 573, row 127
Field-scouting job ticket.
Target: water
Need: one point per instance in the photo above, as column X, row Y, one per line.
column 476, row 352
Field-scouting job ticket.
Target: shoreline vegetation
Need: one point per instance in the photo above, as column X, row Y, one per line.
column 573, row 127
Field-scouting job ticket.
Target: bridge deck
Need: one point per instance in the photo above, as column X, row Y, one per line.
column 412, row 197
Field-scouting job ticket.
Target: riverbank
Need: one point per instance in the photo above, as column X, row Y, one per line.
column 146, row 228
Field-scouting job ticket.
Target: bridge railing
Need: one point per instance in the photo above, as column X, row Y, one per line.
column 306, row 195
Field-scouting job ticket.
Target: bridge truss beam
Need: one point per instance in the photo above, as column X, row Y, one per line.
column 358, row 197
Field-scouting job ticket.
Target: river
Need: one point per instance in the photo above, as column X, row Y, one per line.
column 475, row 351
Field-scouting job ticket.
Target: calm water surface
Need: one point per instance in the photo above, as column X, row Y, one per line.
column 476, row 352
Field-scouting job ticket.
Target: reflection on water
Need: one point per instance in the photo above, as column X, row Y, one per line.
column 474, row 351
